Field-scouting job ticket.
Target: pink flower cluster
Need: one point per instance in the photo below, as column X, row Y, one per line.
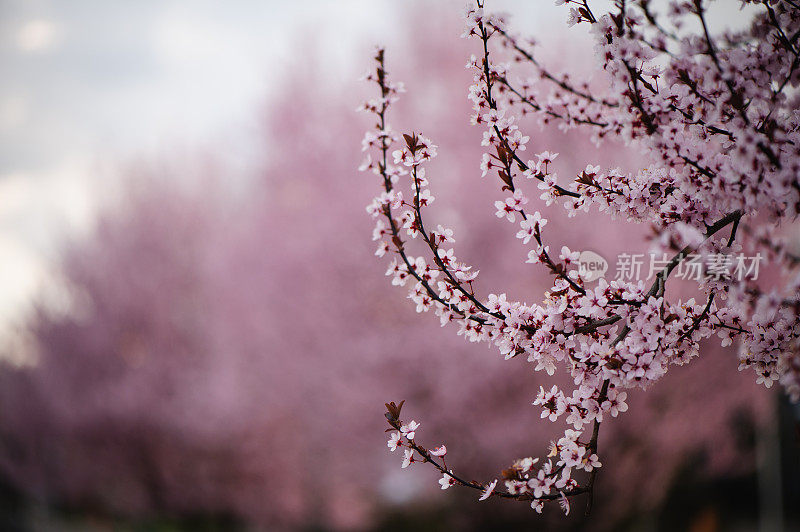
column 717, row 116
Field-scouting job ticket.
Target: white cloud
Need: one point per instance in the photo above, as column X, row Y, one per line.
column 38, row 35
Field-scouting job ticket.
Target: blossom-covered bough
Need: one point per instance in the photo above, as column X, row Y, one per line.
column 718, row 116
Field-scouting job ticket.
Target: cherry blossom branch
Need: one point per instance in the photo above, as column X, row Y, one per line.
column 405, row 436
column 713, row 167
column 562, row 83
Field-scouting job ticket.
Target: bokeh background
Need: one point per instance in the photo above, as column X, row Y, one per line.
column 195, row 335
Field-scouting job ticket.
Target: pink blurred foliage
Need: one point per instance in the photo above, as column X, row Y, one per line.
column 231, row 355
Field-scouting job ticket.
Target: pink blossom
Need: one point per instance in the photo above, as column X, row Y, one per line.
column 488, row 491
column 439, row 451
column 395, row 440
column 446, row 481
